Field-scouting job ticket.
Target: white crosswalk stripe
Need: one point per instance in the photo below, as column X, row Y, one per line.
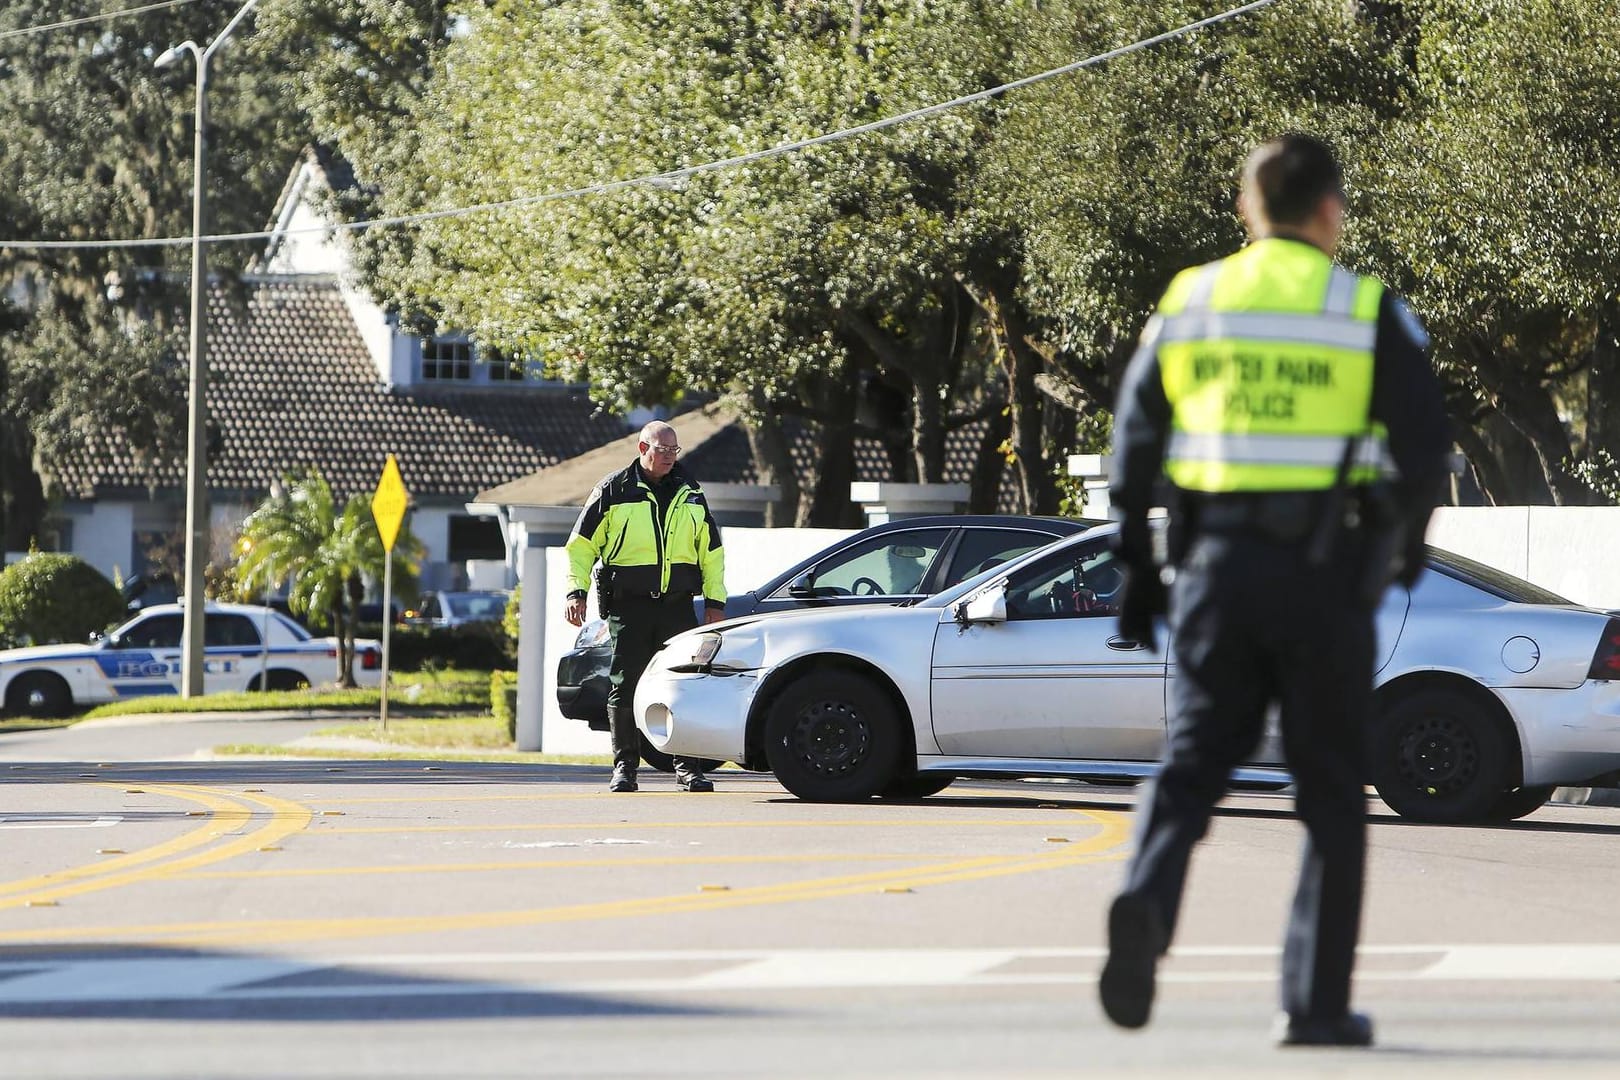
column 46, row 979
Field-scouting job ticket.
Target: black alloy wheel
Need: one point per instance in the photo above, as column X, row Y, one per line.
column 1437, row 756
column 833, row 736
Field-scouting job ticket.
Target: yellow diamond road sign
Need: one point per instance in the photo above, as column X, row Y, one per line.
column 388, row 504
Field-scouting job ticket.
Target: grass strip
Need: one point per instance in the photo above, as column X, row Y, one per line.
column 459, row 692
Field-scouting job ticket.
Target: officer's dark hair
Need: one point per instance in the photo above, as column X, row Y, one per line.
column 1287, row 176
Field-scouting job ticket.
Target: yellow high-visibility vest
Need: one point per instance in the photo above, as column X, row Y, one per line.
column 1267, row 362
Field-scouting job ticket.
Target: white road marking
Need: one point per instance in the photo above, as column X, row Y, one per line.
column 57, row 823
column 45, row 980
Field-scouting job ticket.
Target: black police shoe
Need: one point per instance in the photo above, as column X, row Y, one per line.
column 1136, row 938
column 1351, row 1029
column 623, row 780
column 694, row 781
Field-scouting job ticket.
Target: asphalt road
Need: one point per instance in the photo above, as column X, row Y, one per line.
column 164, row 916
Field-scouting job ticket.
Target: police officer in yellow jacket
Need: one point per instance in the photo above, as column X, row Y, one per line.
column 658, row 547
column 1292, row 409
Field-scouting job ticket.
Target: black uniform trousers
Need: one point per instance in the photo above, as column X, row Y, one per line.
column 639, row 627
column 1253, row 623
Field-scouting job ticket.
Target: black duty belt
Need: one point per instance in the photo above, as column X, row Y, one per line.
column 669, row 596
column 1288, row 516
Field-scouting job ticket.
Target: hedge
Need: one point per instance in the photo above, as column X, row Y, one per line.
column 474, row 647
column 50, row 597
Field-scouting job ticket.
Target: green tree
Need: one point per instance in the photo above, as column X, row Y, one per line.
column 301, row 537
column 98, row 145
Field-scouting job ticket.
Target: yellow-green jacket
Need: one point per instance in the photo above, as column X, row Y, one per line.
column 678, row 551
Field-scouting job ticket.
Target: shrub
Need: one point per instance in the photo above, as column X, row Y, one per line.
column 474, row 647
column 49, row 597
column 503, row 699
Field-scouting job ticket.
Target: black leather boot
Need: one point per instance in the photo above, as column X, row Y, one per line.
column 626, row 752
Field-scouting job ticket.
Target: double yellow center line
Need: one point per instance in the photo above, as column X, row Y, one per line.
column 189, row 851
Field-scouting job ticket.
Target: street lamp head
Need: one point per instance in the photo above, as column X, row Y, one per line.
column 169, row 57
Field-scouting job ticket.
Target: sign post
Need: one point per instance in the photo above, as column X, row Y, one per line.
column 388, row 507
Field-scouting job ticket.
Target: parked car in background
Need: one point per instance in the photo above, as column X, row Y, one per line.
column 893, row 563
column 246, row 647
column 1490, row 690
column 458, row 608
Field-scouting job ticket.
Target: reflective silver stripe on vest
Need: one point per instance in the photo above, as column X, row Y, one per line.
column 1308, row 451
column 1268, row 326
column 1203, row 288
column 1341, row 293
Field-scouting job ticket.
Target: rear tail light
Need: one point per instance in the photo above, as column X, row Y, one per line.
column 1606, row 660
column 370, row 659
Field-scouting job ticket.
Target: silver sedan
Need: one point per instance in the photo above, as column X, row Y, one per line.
column 1491, row 691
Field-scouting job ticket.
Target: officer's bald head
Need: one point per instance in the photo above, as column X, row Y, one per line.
column 659, row 448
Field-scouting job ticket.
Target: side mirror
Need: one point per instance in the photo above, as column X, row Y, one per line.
column 989, row 606
column 803, row 587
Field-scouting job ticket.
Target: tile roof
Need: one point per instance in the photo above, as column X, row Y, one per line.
column 292, row 385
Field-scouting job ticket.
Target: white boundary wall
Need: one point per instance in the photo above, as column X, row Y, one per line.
column 1572, row 550
column 753, row 557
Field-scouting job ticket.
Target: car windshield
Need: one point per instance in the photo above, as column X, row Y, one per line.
column 1498, row 583
column 972, row 585
column 475, row 605
column 298, row 632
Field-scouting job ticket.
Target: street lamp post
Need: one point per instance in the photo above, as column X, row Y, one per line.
column 191, row 655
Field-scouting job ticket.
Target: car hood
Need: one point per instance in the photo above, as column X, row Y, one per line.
column 44, row 652
column 800, row 616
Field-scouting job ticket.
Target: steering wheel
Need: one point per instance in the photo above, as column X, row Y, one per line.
column 872, row 587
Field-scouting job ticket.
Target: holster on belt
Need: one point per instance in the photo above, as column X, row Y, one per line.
column 1383, row 529
column 604, row 589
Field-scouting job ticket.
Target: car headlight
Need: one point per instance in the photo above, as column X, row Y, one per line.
column 592, row 634
column 695, row 654
column 705, row 649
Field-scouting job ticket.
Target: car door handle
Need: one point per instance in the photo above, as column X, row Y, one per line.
column 1125, row 644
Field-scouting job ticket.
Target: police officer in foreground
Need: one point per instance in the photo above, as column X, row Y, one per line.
column 1273, row 390
column 658, row 547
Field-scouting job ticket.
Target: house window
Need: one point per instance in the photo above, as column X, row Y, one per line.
column 446, row 361
column 504, row 368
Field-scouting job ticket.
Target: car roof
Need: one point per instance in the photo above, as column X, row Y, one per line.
column 1056, row 527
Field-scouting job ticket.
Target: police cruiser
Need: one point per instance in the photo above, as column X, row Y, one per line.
column 246, row 648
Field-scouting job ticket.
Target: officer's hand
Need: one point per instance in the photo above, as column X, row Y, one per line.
column 1142, row 597
column 575, row 611
column 713, row 615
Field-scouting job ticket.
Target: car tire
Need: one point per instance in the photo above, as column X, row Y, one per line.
column 918, row 786
column 833, row 736
column 1438, row 756
column 282, row 679
column 665, row 763
column 39, row 694
column 1520, row 802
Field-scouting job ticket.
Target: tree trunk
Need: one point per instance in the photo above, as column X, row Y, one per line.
column 989, row 465
column 773, row 461
column 928, row 432
column 1603, row 391
column 829, row 505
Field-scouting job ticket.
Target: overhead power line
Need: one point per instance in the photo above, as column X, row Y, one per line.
column 105, row 16
column 671, row 176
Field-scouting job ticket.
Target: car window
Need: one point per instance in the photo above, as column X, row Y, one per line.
column 291, row 627
column 430, row 608
column 157, row 632
column 1083, row 584
column 984, row 549
column 891, row 564
column 229, row 631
